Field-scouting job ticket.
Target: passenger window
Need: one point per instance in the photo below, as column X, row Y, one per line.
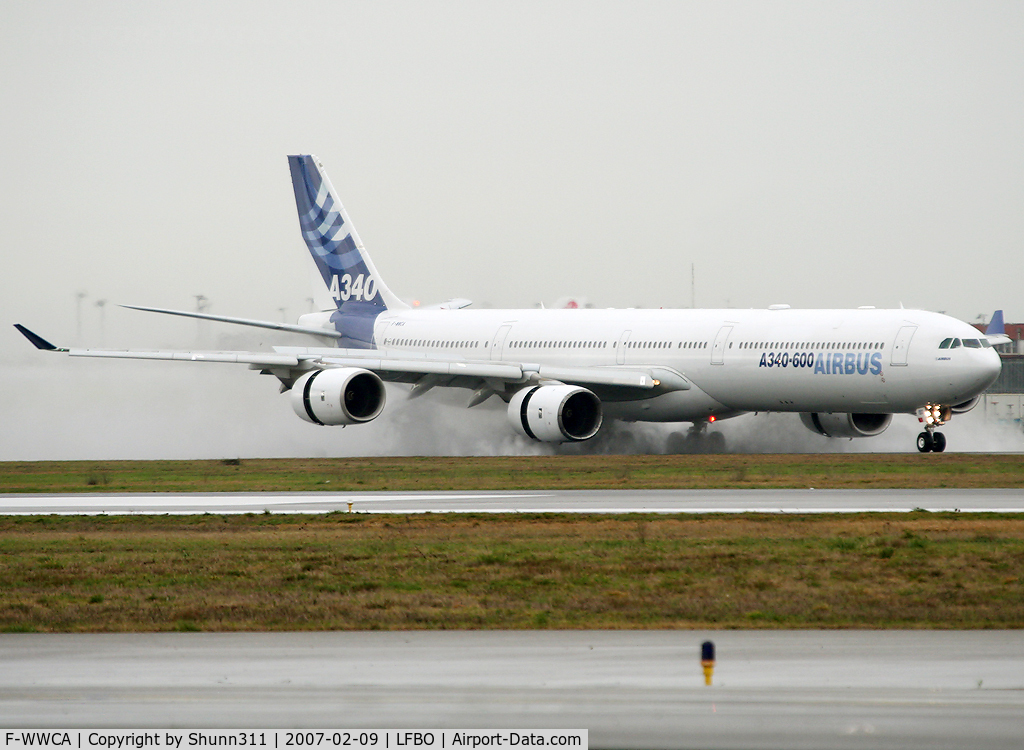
column 945, row 343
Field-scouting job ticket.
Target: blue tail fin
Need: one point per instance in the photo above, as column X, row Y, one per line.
column 995, row 326
column 339, row 254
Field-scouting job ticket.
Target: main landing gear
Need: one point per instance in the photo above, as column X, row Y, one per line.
column 696, row 440
column 932, row 416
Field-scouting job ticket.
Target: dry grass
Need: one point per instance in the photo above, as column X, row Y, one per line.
column 900, row 471
column 352, row 571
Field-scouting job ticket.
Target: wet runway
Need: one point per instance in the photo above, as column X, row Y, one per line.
column 570, row 501
column 810, row 689
column 632, row 689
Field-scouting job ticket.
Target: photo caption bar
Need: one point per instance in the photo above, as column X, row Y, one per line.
column 272, row 739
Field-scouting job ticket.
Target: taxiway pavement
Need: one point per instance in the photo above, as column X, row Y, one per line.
column 632, row 689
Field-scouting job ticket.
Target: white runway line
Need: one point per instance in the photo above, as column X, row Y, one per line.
column 554, row 501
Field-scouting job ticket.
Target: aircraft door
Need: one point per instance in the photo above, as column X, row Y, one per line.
column 718, row 348
column 498, row 344
column 620, row 354
column 381, row 337
column 901, row 346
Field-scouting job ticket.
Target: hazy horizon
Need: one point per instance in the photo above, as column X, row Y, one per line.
column 819, row 155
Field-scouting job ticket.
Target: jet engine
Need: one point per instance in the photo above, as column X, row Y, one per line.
column 555, row 413
column 966, row 406
column 846, row 425
column 346, row 395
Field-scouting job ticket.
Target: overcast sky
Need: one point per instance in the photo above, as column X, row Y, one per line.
column 816, row 154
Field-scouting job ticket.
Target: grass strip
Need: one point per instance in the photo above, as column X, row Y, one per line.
column 350, row 571
column 822, row 471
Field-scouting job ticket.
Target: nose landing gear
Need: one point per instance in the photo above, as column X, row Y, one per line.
column 932, row 416
column 931, row 442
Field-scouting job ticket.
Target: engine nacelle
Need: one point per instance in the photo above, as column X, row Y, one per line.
column 846, row 425
column 346, row 395
column 555, row 413
column 966, row 406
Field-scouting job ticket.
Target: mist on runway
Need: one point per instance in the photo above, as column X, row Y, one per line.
column 88, row 409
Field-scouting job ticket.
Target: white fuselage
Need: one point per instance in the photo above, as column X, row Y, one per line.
column 853, row 361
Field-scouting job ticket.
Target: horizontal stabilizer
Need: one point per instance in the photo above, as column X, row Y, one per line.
column 453, row 304
column 242, row 321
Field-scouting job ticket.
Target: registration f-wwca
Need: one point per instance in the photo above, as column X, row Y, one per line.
column 272, row 738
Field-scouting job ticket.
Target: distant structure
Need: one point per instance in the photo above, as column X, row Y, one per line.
column 572, row 303
column 1014, row 331
column 1004, row 400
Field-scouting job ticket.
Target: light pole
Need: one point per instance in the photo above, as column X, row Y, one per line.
column 102, row 303
column 202, row 305
column 79, row 296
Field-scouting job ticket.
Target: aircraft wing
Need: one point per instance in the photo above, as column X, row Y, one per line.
column 399, row 366
column 268, row 359
column 287, row 363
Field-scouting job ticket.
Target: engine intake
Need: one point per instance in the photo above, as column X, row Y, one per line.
column 555, row 413
column 346, row 395
column 846, row 425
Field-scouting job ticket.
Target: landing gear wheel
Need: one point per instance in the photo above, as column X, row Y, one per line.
column 938, row 442
column 716, row 442
column 626, row 444
column 925, row 442
column 677, row 443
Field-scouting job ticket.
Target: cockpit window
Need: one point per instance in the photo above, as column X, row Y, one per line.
column 972, row 343
column 985, row 344
column 955, row 344
column 945, row 343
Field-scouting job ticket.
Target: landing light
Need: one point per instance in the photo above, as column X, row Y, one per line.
column 933, row 414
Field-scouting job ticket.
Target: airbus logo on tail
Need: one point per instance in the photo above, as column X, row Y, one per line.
column 346, row 288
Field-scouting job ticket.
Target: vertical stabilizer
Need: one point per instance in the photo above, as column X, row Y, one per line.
column 995, row 326
column 339, row 255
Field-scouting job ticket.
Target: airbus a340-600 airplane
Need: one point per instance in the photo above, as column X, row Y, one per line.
column 562, row 372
